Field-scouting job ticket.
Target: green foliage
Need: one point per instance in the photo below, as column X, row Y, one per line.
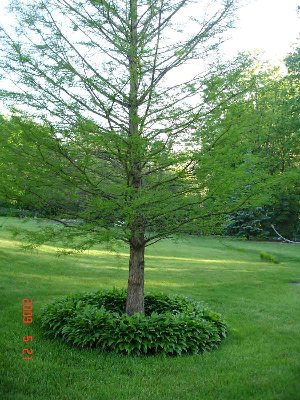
column 267, row 257
column 256, row 222
column 285, row 213
column 248, row 223
column 252, row 145
column 171, row 325
column 105, row 147
column 16, row 212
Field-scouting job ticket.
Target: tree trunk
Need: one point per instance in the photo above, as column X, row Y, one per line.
column 135, row 298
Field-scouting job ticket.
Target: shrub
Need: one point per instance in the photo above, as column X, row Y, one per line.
column 249, row 223
column 17, row 212
column 172, row 325
column 267, row 257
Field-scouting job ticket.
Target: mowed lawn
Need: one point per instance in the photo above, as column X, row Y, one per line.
column 260, row 359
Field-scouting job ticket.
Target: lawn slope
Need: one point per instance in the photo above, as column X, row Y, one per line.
column 260, row 359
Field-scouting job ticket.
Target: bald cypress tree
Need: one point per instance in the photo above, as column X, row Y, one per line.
column 115, row 115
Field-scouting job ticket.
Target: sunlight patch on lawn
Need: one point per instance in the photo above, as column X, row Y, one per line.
column 68, row 280
column 95, row 253
column 214, row 265
column 151, row 282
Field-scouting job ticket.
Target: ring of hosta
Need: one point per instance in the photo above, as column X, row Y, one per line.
column 172, row 325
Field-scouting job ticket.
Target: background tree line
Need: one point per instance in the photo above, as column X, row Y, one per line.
column 247, row 137
column 261, row 128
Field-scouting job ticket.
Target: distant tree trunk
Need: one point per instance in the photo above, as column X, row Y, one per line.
column 135, row 298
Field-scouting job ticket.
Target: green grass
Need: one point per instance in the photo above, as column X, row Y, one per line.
column 260, row 359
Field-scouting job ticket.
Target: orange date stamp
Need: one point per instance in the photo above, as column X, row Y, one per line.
column 27, row 318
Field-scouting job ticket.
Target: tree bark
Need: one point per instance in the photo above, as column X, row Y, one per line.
column 135, row 297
